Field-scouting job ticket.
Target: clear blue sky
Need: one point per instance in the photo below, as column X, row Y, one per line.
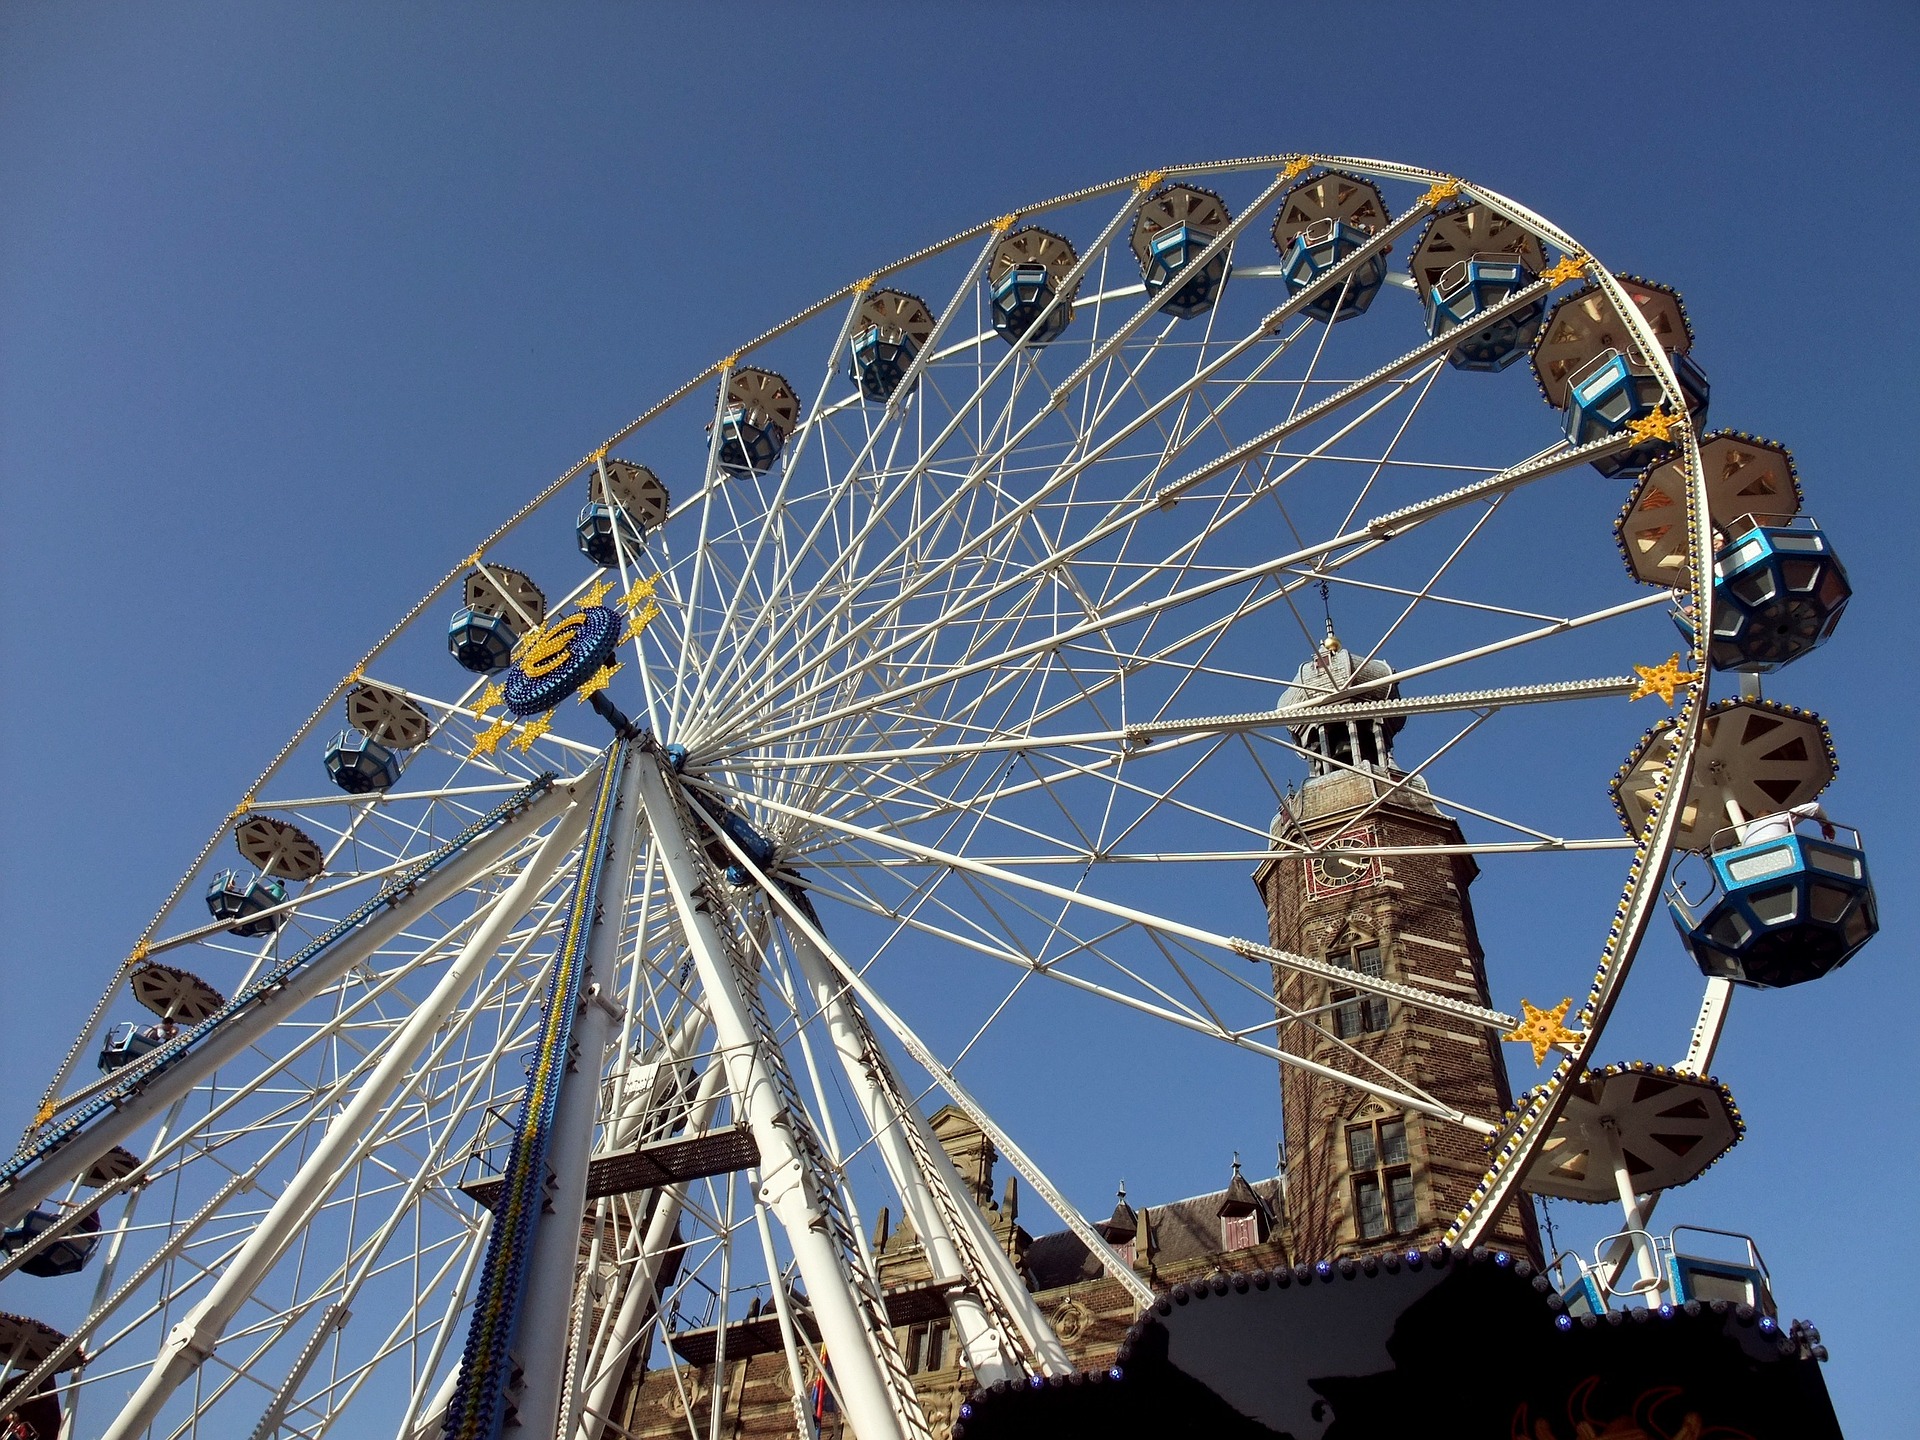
column 297, row 301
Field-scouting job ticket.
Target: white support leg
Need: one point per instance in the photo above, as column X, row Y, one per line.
column 871, row 1388
column 1636, row 1219
column 347, row 1140
column 1707, row 1030
column 542, row 1339
column 973, row 1259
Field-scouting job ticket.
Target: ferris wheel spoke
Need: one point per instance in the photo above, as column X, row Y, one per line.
column 1356, row 542
column 964, row 864
column 1557, row 627
column 1203, row 1020
column 1149, row 416
column 1007, row 362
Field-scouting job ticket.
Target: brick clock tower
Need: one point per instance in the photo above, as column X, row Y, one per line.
column 1362, row 1174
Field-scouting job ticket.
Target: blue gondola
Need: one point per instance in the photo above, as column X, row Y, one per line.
column 1472, row 287
column 1315, row 251
column 238, row 899
column 1171, row 256
column 360, row 765
column 596, row 528
column 127, row 1042
column 747, row 446
column 1784, row 907
column 1611, row 390
column 1018, row 298
column 66, row 1256
column 758, row 847
column 481, row 643
column 1778, row 592
column 882, row 355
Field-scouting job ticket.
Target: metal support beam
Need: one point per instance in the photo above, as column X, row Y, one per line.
column 987, row 1297
column 481, row 1402
column 641, row 1296
column 796, row 1185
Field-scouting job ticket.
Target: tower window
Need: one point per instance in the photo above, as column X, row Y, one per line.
column 1355, row 1014
column 1383, row 1200
column 1238, row 1232
column 927, row 1346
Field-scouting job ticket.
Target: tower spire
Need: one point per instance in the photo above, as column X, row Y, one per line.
column 1337, row 676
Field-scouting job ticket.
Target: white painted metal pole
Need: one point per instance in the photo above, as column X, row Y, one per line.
column 347, row 1139
column 1116, row 1268
column 543, row 1337
column 787, row 1186
column 859, row 1054
column 647, row 1099
column 1707, row 1030
column 983, row 1349
column 1636, row 1222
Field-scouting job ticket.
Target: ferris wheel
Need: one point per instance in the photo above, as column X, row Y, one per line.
column 573, row 978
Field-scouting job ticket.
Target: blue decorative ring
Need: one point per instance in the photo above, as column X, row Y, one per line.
column 562, row 657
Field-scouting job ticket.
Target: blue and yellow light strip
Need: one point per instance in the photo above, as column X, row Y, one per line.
column 478, row 1408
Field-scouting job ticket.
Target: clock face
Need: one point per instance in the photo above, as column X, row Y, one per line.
column 1337, row 870
column 1333, row 871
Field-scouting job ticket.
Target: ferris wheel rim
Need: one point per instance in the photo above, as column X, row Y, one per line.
column 1140, row 183
column 1649, row 863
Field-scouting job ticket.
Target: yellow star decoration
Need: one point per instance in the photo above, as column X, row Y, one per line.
column 1657, row 426
column 597, row 682
column 1662, row 679
column 474, row 558
column 488, row 740
column 1297, row 167
column 597, row 456
column 1004, row 224
column 1438, row 191
column 594, row 595
column 1543, row 1029
column 523, row 742
column 641, row 592
column 490, row 697
column 638, row 621
column 1570, row 266
column 1147, row 181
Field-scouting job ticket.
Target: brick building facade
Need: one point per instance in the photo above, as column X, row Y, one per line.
column 1365, row 1174
column 1240, row 1227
